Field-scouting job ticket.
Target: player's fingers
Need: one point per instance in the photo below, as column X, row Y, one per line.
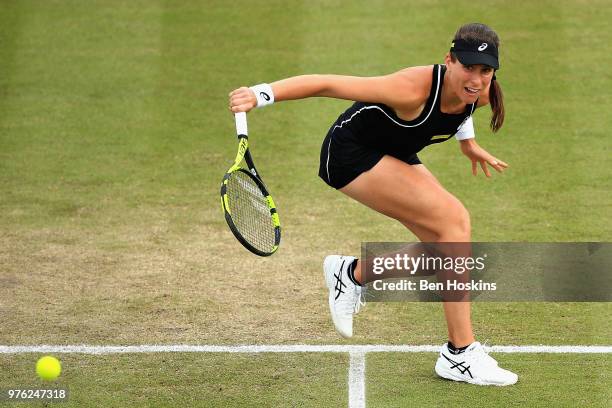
column 245, row 102
column 234, row 101
column 237, row 95
column 483, row 164
column 240, row 99
column 474, row 168
column 243, row 97
column 241, row 90
column 495, row 164
column 502, row 164
column 242, row 108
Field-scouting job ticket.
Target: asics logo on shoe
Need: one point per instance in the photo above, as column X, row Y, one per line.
column 459, row 366
column 339, row 284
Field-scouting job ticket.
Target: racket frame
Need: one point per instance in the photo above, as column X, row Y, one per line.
column 244, row 153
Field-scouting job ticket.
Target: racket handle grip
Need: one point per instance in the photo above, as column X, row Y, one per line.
column 241, row 124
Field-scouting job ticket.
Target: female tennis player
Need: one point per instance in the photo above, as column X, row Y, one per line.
column 370, row 154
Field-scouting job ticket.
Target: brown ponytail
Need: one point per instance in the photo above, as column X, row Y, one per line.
column 482, row 32
column 496, row 99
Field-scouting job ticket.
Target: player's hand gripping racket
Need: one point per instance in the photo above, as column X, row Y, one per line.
column 248, row 207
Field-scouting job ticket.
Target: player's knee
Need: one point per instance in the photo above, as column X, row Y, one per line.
column 448, row 221
column 458, row 226
column 452, row 224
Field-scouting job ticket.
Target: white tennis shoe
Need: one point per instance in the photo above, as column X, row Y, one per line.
column 345, row 298
column 473, row 366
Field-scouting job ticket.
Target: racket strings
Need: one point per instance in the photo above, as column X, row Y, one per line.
column 250, row 212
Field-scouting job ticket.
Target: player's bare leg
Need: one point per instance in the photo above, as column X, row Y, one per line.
column 413, row 196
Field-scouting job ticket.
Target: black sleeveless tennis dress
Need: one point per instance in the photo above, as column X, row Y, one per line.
column 366, row 132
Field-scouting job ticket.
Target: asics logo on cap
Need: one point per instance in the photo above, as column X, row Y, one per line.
column 483, row 47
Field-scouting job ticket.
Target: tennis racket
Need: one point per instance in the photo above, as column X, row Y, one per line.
column 249, row 209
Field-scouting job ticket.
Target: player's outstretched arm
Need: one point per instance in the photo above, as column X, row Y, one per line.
column 396, row 90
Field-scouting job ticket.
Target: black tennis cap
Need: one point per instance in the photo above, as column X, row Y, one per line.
column 472, row 52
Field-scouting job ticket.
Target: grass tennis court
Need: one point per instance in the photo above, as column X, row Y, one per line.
column 114, row 134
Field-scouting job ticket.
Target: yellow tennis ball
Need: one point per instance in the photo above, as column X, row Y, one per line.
column 48, row 368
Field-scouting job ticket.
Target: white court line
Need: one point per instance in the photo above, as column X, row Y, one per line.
column 356, row 374
column 293, row 348
column 356, row 380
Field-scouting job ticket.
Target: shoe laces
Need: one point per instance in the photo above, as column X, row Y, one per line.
column 480, row 354
column 360, row 301
column 350, row 303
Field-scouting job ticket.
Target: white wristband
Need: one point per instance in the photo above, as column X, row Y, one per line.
column 264, row 95
column 466, row 130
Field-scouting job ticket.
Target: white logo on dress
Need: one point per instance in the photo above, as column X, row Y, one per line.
column 483, row 47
